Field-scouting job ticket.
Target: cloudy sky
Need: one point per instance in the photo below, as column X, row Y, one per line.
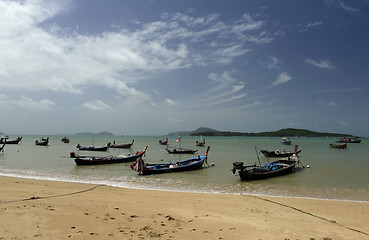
column 150, row 67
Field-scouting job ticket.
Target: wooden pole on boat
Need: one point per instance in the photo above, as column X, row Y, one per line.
column 257, row 155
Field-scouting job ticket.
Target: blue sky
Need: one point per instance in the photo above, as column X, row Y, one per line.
column 150, row 67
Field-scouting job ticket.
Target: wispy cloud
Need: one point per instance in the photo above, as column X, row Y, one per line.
column 328, row 103
column 270, row 63
column 281, row 79
column 65, row 61
column 341, row 5
column 97, row 105
column 324, row 64
column 170, row 102
column 225, row 89
column 31, row 104
column 314, row 24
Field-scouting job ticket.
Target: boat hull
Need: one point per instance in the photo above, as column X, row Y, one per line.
column 181, row 151
column 193, row 164
column 276, row 153
column 106, row 160
column 126, row 145
column 273, row 169
column 341, row 146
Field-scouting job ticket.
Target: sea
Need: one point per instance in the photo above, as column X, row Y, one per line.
column 324, row 172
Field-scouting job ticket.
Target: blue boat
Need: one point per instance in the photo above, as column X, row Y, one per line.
column 186, row 165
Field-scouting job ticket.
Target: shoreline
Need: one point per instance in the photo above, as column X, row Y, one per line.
column 179, row 191
column 51, row 209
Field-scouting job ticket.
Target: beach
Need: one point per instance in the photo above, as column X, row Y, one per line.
column 38, row 209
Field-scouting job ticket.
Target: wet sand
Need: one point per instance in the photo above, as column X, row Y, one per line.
column 34, row 209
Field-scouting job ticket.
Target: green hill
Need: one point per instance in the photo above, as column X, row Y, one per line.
column 196, row 132
column 291, row 132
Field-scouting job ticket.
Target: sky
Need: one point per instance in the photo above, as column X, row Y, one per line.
column 151, row 67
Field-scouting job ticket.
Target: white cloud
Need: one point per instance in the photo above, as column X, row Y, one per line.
column 52, row 58
column 341, row 5
column 282, row 78
column 271, row 63
column 328, row 103
column 324, row 64
column 170, row 102
column 30, row 104
column 314, row 24
column 96, row 105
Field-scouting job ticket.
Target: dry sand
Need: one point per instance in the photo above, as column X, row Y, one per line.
column 32, row 209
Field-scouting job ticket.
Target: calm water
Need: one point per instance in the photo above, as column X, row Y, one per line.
column 333, row 174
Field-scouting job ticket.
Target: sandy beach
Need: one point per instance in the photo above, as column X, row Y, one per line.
column 33, row 209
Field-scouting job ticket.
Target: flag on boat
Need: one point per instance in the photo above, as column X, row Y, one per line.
column 179, row 138
column 138, row 165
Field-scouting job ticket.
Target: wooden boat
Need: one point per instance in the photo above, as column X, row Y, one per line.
column 273, row 169
column 5, row 140
column 123, row 145
column 201, row 143
column 42, row 142
column 338, row 145
column 90, row 160
column 286, row 141
column 163, row 142
column 102, row 149
column 277, row 153
column 157, row 168
column 65, row 140
column 174, row 150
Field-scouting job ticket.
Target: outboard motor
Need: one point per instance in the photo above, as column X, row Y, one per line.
column 237, row 165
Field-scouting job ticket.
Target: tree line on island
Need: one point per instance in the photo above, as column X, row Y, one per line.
column 291, row 132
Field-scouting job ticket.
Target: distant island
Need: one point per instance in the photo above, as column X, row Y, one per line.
column 287, row 132
column 96, row 134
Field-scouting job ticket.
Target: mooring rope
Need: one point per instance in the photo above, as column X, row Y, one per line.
column 53, row 196
column 308, row 213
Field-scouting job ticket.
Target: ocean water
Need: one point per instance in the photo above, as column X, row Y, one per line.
column 340, row 174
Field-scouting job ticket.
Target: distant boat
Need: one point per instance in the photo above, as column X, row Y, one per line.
column 122, row 145
column 180, row 150
column 201, row 143
column 163, row 142
column 5, row 140
column 158, row 168
column 277, row 153
column 286, row 141
column 174, row 150
column 89, row 160
column 338, row 145
column 273, row 169
column 102, row 149
column 349, row 140
column 65, row 140
column 42, row 142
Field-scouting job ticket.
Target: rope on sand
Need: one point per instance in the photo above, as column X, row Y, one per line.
column 308, row 213
column 53, row 196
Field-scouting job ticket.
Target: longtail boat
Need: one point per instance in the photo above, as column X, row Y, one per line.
column 42, row 142
column 122, row 145
column 5, row 140
column 277, row 168
column 156, row 168
column 102, row 149
column 277, row 153
column 91, row 160
column 338, row 145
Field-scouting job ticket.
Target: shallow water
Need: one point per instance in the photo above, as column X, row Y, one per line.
column 340, row 174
